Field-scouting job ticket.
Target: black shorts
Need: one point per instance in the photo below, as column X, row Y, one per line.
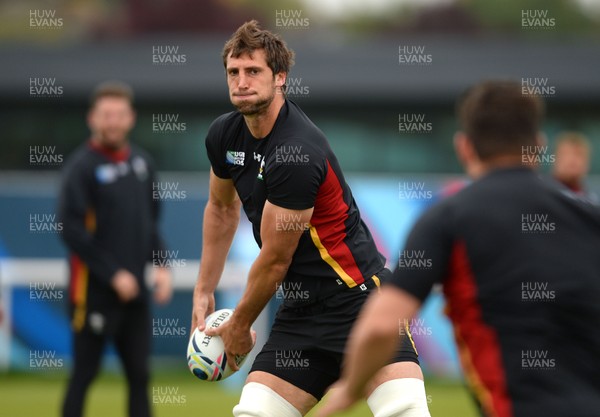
column 306, row 344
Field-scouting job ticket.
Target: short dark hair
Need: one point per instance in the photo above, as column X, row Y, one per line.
column 111, row 89
column 250, row 37
column 499, row 119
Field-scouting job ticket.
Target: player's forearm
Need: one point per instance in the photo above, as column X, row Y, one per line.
column 265, row 275
column 219, row 226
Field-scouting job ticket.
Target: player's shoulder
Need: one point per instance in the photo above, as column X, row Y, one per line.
column 445, row 212
column 141, row 158
column 299, row 130
column 81, row 158
column 299, row 121
column 501, row 186
column 442, row 210
column 586, row 209
column 225, row 122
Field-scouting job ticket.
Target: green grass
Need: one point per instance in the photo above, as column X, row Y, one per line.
column 33, row 395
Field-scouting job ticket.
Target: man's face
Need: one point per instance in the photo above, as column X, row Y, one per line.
column 572, row 162
column 252, row 85
column 110, row 120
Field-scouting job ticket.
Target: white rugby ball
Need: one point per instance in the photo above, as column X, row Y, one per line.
column 206, row 354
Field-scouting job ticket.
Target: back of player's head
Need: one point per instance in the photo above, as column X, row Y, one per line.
column 250, row 36
column 111, row 89
column 499, row 119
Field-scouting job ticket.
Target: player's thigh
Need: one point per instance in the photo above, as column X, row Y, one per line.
column 392, row 371
column 405, row 364
column 299, row 399
column 88, row 349
column 133, row 337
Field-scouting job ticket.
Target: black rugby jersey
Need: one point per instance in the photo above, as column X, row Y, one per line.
column 293, row 167
column 519, row 261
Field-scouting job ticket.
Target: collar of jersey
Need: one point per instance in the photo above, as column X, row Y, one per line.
column 119, row 155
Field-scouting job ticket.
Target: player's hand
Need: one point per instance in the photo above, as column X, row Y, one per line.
column 338, row 400
column 126, row 285
column 238, row 340
column 204, row 305
column 163, row 288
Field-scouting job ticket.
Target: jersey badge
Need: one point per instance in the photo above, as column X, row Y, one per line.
column 235, row 157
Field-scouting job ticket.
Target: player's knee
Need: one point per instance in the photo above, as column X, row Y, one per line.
column 403, row 397
column 258, row 400
column 83, row 376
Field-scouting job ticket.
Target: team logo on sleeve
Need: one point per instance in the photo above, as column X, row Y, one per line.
column 235, row 158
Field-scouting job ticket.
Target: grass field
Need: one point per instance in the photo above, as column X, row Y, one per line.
column 176, row 395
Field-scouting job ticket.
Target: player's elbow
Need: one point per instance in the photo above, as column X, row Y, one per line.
column 280, row 266
column 277, row 263
column 226, row 212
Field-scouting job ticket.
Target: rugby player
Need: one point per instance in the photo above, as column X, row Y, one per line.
column 519, row 264
column 110, row 221
column 268, row 157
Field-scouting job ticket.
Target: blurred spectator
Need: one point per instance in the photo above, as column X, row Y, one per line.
column 110, row 227
column 572, row 163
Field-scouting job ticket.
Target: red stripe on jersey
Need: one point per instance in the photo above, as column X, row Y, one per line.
column 76, row 271
column 328, row 219
column 477, row 342
column 79, row 270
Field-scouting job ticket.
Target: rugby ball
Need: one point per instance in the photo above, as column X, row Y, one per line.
column 206, row 354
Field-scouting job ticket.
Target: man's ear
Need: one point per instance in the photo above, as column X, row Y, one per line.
column 467, row 155
column 280, row 79
column 463, row 147
column 133, row 118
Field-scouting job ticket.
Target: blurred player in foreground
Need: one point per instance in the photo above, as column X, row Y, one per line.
column 519, row 264
column 315, row 248
column 110, row 227
column 572, row 152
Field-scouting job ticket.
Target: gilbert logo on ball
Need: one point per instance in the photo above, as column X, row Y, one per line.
column 206, row 354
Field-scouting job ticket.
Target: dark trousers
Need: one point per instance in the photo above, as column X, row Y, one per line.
column 130, row 333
